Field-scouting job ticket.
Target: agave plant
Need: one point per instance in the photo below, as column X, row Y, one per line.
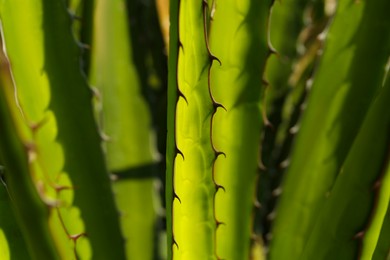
column 87, row 126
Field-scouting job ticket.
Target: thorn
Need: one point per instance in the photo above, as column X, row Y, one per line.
column 36, row 126
column 212, row 12
column 31, row 151
column 261, row 165
column 180, row 45
column 51, row 203
column 254, row 237
column 303, row 106
column 377, row 185
column 309, row 84
column 266, row 121
column 59, row 188
column 175, row 243
column 265, row 82
column 179, row 152
column 214, row 58
column 96, row 93
column 257, row 204
column 294, row 130
column 359, row 235
column 284, row 164
column 104, row 137
column 276, row 192
column 218, row 153
column 218, row 223
column 77, row 236
column 113, row 177
column 180, row 94
column 176, row 197
column 271, row 216
column 272, row 50
column 219, row 187
column 74, row 16
column 217, row 105
column 83, row 46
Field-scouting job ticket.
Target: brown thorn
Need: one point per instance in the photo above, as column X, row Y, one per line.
column 174, row 242
column 213, row 58
column 218, row 223
column 74, row 16
column 218, row 153
column 59, row 188
column 179, row 152
column 219, row 187
column 36, row 126
column 180, row 94
column 377, row 185
column 265, row 82
column 257, row 204
column 180, row 45
column 272, row 50
column 261, row 165
column 175, row 196
column 359, row 235
column 96, row 93
column 266, row 121
column 217, row 105
column 83, row 46
column 77, row 236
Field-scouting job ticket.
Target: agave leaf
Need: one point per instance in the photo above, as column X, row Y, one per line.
column 59, row 129
column 12, row 245
column 172, row 97
column 374, row 236
column 285, row 24
column 238, row 38
column 30, row 211
column 347, row 211
column 355, row 54
column 382, row 247
column 194, row 224
column 127, row 123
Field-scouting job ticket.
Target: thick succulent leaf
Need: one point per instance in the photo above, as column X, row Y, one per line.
column 58, row 129
column 214, row 136
column 126, row 122
column 374, row 236
column 12, row 244
column 238, row 38
column 172, row 97
column 194, row 225
column 352, row 204
column 30, row 210
column 382, row 249
column 355, row 54
column 285, row 24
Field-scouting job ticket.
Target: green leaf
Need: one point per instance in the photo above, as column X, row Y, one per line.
column 383, row 244
column 55, row 102
column 374, row 237
column 354, row 58
column 238, row 38
column 126, row 121
column 12, row 245
column 30, row 211
column 351, row 202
